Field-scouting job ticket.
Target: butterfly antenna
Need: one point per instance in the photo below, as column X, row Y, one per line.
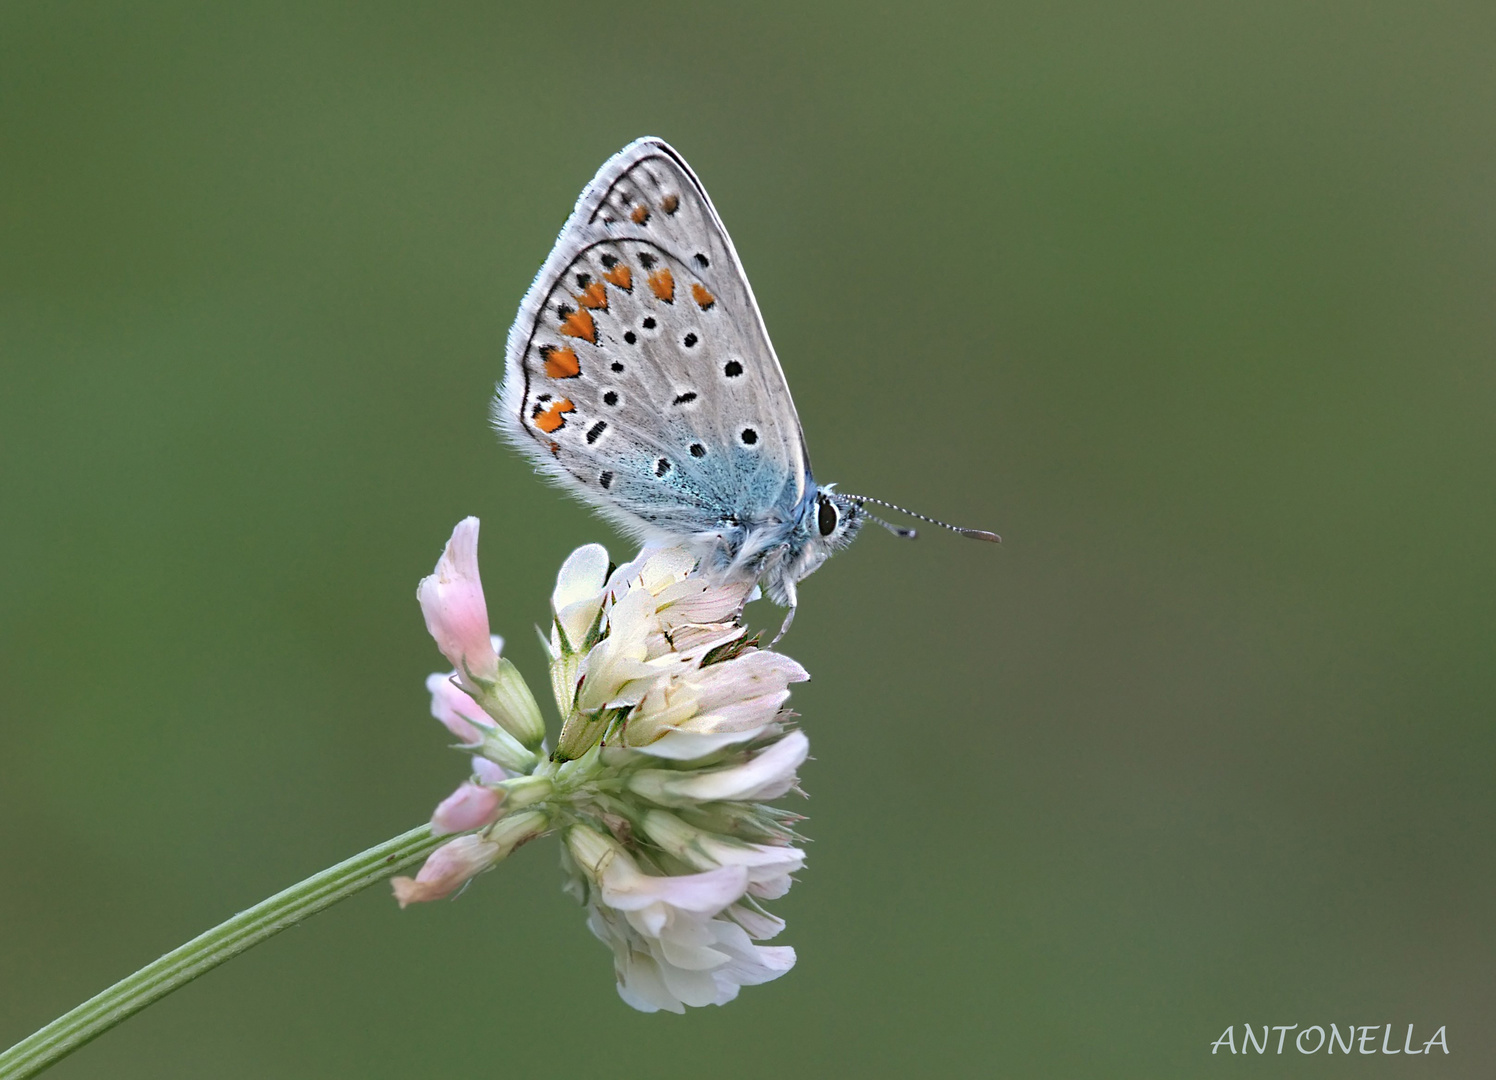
column 975, row 534
column 902, row 534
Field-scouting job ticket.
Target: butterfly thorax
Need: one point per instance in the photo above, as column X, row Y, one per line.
column 779, row 552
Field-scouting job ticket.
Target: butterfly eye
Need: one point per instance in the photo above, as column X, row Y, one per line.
column 826, row 518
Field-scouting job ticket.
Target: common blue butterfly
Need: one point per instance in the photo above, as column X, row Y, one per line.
column 639, row 376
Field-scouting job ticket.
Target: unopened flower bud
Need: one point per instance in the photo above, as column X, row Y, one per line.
column 581, row 733
column 525, row 791
column 508, row 700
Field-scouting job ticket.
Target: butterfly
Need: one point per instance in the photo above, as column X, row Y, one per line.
column 639, row 376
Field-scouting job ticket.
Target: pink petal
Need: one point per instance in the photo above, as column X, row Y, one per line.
column 470, row 807
column 488, row 772
column 460, row 714
column 447, row 868
column 452, row 602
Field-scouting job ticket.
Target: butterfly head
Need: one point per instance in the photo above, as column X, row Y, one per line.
column 837, row 520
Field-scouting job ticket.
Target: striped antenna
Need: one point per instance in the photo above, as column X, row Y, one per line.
column 975, row 534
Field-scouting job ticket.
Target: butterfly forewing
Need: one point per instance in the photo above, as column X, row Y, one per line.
column 639, row 372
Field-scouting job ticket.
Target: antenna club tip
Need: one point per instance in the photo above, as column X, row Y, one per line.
column 981, row 534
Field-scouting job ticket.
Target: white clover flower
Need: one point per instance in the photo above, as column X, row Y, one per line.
column 674, row 735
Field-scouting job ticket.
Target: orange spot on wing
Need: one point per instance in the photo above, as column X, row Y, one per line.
column 560, row 363
column 549, row 418
column 640, row 215
column 703, row 298
column 579, row 324
column 670, row 203
column 621, row 276
column 594, row 295
column 662, row 281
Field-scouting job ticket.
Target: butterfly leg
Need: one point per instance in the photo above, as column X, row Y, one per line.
column 792, row 596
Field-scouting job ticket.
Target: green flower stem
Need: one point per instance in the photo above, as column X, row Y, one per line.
column 206, row 951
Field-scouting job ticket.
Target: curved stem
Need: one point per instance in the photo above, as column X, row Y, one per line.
column 206, row 951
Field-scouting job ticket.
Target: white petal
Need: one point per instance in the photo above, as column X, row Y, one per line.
column 579, row 591
column 748, row 715
column 767, row 776
column 764, row 964
column 692, row 957
column 665, row 567
column 764, row 862
column 640, row 985
column 681, row 745
column 752, row 964
column 770, row 888
column 747, row 676
column 758, row 924
column 691, row 987
column 627, row 888
column 695, row 601
column 620, row 657
column 648, row 921
column 695, row 640
column 582, row 575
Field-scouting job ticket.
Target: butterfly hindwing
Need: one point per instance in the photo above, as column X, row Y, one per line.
column 639, row 372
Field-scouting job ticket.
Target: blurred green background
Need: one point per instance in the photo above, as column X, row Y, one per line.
column 1193, row 303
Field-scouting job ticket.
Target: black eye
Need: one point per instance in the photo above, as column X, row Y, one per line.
column 826, row 518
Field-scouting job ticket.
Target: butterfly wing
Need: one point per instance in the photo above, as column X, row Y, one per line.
column 639, row 374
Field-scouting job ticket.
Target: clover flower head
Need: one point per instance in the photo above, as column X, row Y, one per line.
column 674, row 738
